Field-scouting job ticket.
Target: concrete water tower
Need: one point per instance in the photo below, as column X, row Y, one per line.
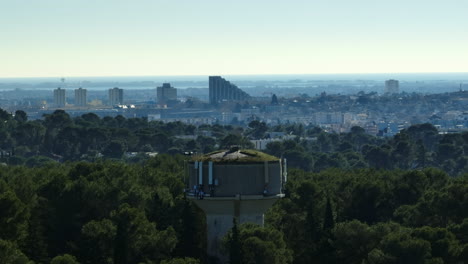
column 234, row 183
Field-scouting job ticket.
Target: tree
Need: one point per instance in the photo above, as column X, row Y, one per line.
column 191, row 233
column 357, row 130
column 206, row 144
column 181, row 261
column 329, row 221
column 377, row 157
column 120, row 120
column 91, row 117
column 427, row 133
column 235, row 250
column 233, row 139
column 260, row 245
column 30, row 134
column 443, row 242
column 161, row 142
column 98, row 246
column 39, row 161
column 21, row 116
column 258, row 129
column 35, row 246
column 4, row 115
column 115, row 149
column 138, row 240
column 58, row 119
column 13, row 217
column 64, row 259
column 364, row 202
column 400, row 247
column 274, row 148
column 299, row 159
column 10, row 254
column 324, row 142
column 353, row 241
column 448, row 151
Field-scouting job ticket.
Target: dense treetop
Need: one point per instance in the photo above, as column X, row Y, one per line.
column 62, row 138
column 350, row 198
column 114, row 212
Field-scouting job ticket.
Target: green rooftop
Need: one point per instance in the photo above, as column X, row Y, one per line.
column 235, row 155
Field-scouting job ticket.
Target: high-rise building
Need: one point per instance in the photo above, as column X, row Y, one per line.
column 115, row 96
column 80, row 97
column 166, row 93
column 59, row 97
column 392, row 86
column 221, row 90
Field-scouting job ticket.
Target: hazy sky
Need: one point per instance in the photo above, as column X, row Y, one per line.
column 206, row 37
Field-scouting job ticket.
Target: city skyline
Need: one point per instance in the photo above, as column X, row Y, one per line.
column 118, row 38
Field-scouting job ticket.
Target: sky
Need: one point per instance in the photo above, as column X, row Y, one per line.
column 47, row 38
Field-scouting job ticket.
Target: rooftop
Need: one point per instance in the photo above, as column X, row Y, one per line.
column 236, row 155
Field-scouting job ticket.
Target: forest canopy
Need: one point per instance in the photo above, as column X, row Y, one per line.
column 68, row 194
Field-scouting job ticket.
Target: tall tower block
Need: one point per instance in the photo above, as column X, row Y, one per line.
column 115, row 96
column 234, row 183
column 392, row 86
column 221, row 90
column 59, row 97
column 80, row 97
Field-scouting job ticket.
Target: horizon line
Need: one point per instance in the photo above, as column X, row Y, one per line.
column 237, row 74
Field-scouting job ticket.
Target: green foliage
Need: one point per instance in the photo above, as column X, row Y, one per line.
column 137, row 239
column 235, row 250
column 10, row 254
column 115, row 149
column 99, row 239
column 181, row 261
column 257, row 129
column 88, row 137
column 191, row 232
column 112, row 212
column 64, row 259
column 13, row 217
column 235, row 140
column 354, row 240
column 350, row 197
column 415, row 200
column 329, row 221
column 258, row 245
column 97, row 212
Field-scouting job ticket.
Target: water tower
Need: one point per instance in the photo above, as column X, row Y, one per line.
column 234, row 183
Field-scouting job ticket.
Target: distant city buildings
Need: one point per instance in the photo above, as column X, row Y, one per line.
column 392, row 86
column 80, row 97
column 115, row 96
column 166, row 93
column 328, row 118
column 59, row 97
column 379, row 115
column 221, row 90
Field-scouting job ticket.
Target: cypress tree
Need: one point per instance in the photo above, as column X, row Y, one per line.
column 235, row 250
column 328, row 221
column 189, row 243
column 121, row 243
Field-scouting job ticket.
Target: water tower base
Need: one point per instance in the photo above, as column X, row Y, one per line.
column 220, row 212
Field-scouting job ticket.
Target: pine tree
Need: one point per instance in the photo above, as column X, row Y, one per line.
column 328, row 221
column 188, row 237
column 235, row 251
column 36, row 245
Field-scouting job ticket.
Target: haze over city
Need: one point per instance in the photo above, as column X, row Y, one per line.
column 54, row 38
